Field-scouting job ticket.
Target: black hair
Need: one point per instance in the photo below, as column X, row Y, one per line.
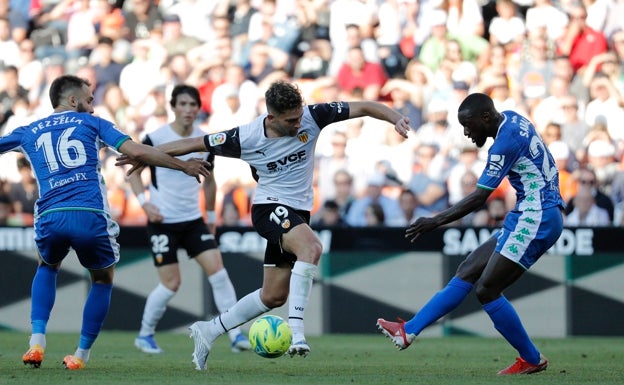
column 184, row 89
column 63, row 84
column 282, row 97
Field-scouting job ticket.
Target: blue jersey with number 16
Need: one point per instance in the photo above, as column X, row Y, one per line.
column 63, row 150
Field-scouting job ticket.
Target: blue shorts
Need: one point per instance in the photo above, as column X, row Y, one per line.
column 91, row 234
column 527, row 235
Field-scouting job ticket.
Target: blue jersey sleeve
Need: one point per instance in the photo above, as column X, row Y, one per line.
column 13, row 141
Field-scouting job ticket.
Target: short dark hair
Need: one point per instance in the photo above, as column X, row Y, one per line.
column 184, row 89
column 282, row 97
column 61, row 85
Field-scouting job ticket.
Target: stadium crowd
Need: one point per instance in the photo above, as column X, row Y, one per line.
column 560, row 63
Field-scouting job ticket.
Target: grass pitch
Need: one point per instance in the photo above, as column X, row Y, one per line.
column 335, row 359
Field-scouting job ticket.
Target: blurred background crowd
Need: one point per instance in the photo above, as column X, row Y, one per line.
column 559, row 62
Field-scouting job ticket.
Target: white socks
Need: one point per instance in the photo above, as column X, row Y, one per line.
column 301, row 281
column 155, row 307
column 38, row 339
column 224, row 295
column 247, row 308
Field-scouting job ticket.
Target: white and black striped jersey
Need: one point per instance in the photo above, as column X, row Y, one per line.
column 174, row 193
column 283, row 167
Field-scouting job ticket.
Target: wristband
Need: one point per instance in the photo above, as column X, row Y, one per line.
column 211, row 216
column 141, row 199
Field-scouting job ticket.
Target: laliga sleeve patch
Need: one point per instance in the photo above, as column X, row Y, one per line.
column 217, row 139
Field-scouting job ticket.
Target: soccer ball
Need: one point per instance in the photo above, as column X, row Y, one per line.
column 270, row 336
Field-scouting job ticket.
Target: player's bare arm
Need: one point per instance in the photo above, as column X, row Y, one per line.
column 382, row 112
column 457, row 211
column 139, row 154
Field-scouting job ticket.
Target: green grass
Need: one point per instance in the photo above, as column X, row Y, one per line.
column 337, row 359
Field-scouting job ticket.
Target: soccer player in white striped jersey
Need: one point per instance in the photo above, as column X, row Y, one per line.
column 529, row 230
column 279, row 146
column 175, row 221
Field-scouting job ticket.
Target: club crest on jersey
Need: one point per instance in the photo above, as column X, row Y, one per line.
column 496, row 164
column 159, row 258
column 303, row 136
column 217, row 139
column 286, row 223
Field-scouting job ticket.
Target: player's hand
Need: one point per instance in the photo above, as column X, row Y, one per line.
column 421, row 225
column 153, row 213
column 402, row 126
column 137, row 165
column 196, row 167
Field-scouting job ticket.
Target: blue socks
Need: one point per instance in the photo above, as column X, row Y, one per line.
column 43, row 294
column 507, row 322
column 95, row 310
column 440, row 304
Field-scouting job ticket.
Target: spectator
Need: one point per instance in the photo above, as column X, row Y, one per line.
column 433, row 49
column 604, row 107
column 535, row 72
column 410, row 207
column 586, row 178
column 329, row 216
column 357, row 73
column 464, row 17
column 331, row 163
column 9, row 49
column 114, row 108
column 359, row 214
column 468, row 162
column 142, row 17
column 375, row 215
column 543, row 14
column 573, row 129
column 230, row 215
column 174, row 40
column 428, row 181
column 343, row 188
column 493, row 215
column 24, row 194
column 580, row 42
column 507, row 28
column 601, row 159
column 11, row 91
column 561, row 153
column 107, row 69
column 586, row 212
column 30, row 70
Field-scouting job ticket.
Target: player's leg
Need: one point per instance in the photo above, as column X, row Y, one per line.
column 164, row 239
column 53, row 246
column 272, row 294
column 156, row 305
column 443, row 302
column 513, row 256
column 302, row 242
column 200, row 243
column 98, row 253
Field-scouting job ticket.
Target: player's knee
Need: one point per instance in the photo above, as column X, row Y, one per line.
column 312, row 253
column 485, row 294
column 273, row 300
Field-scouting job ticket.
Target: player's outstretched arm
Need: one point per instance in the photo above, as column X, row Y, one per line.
column 382, row 112
column 140, row 154
column 453, row 213
column 183, row 146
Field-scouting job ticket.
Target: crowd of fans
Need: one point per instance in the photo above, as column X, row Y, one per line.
column 561, row 63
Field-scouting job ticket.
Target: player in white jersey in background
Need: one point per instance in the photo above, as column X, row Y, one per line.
column 529, row 230
column 72, row 211
column 279, row 146
column 175, row 221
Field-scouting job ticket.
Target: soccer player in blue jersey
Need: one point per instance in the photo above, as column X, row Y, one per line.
column 72, row 211
column 529, row 230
